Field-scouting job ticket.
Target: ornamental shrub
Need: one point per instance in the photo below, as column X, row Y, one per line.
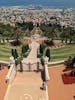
column 48, row 53
column 25, row 48
column 14, row 53
column 42, row 48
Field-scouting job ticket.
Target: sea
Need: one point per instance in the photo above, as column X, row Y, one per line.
column 51, row 3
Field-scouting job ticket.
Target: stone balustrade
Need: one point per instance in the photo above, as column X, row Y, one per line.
column 11, row 73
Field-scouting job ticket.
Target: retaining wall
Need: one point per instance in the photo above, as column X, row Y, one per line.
column 55, row 63
column 11, row 73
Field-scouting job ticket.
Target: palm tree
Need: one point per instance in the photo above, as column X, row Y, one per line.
column 65, row 34
column 71, row 34
column 17, row 35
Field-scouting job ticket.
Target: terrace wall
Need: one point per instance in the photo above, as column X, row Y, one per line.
column 11, row 74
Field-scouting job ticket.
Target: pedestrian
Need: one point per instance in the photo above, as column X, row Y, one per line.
column 44, row 85
column 9, row 65
column 21, row 67
column 0, row 66
column 29, row 66
column 37, row 66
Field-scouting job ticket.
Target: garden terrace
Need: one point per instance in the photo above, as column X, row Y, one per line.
column 5, row 51
column 62, row 53
column 3, row 84
column 68, row 78
column 56, row 88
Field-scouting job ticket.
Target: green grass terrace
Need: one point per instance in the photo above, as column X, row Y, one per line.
column 5, row 51
column 63, row 52
column 57, row 54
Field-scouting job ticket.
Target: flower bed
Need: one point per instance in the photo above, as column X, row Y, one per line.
column 68, row 79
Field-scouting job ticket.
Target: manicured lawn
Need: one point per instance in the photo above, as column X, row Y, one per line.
column 56, row 54
column 5, row 51
column 63, row 52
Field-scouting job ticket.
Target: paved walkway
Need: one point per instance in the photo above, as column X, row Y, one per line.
column 26, row 86
column 32, row 58
column 57, row 90
column 3, row 84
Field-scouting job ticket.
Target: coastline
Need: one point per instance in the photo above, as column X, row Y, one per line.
column 36, row 6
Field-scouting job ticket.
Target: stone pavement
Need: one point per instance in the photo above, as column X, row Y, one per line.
column 57, row 90
column 26, row 86
column 32, row 57
column 3, row 84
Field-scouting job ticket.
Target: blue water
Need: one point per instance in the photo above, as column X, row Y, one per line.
column 56, row 3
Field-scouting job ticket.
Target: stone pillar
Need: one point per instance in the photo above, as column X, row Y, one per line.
column 12, row 61
column 46, row 68
column 12, row 71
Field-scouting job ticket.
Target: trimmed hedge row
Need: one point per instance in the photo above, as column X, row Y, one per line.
column 48, row 53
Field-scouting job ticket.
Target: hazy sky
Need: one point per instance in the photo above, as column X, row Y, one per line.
column 41, row 2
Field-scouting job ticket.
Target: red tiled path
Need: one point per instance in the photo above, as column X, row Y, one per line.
column 3, row 85
column 57, row 90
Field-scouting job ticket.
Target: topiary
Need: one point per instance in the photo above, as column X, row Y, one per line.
column 14, row 53
column 42, row 48
column 25, row 48
column 48, row 53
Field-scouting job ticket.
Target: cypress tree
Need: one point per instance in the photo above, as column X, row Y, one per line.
column 48, row 53
column 12, row 52
column 25, row 47
column 15, row 53
column 42, row 48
